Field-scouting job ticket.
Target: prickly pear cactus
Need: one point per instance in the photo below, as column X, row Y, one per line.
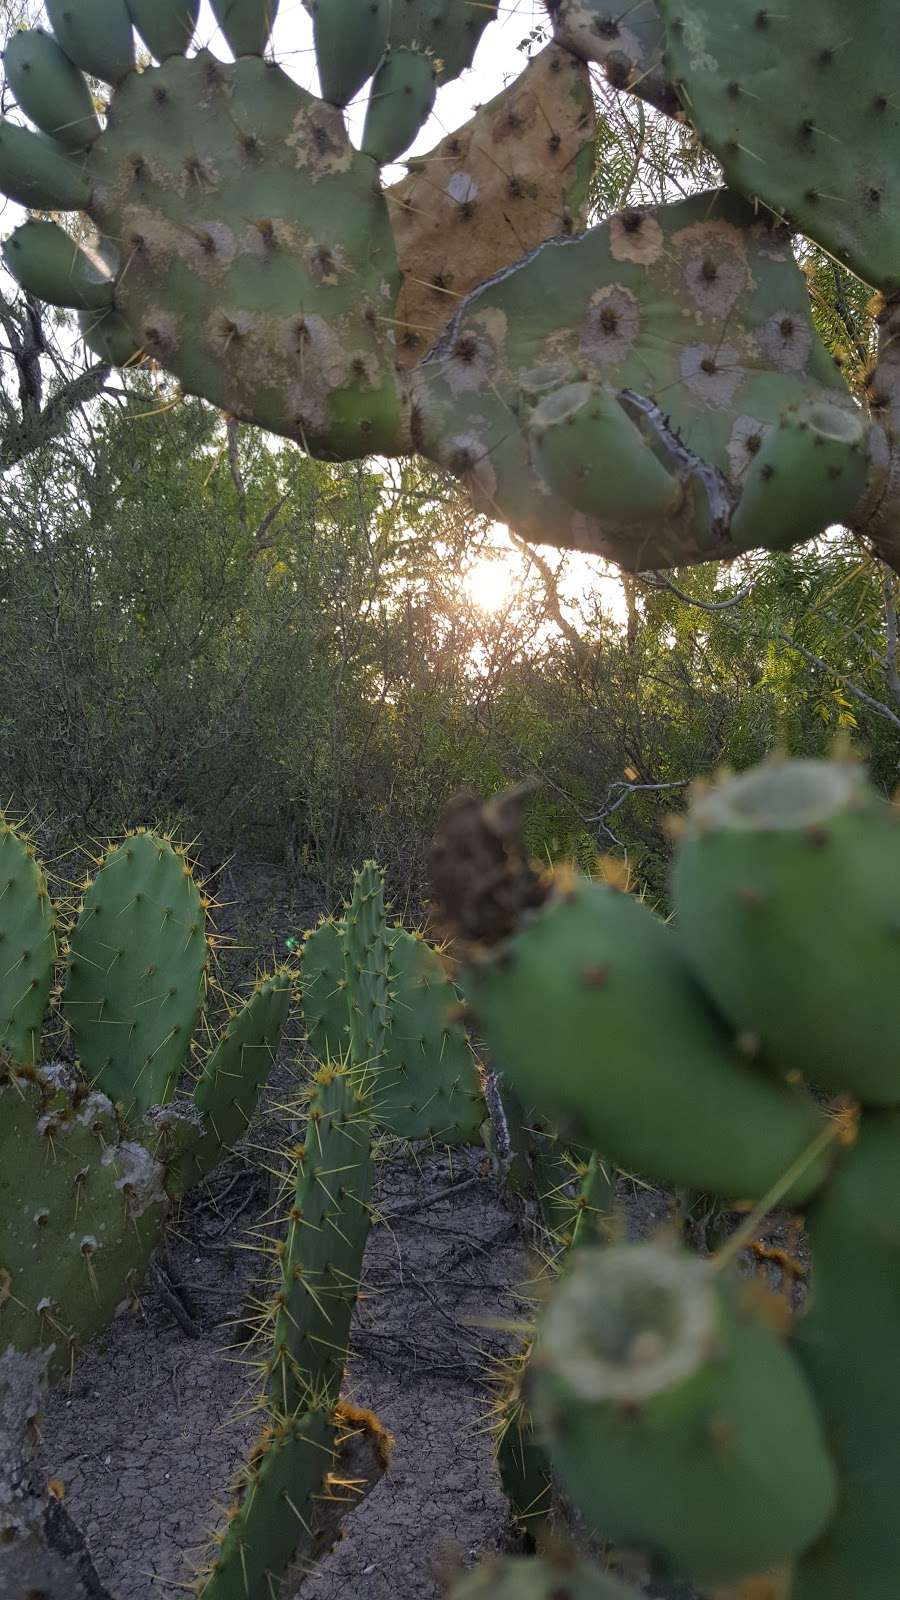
column 683, row 1409
column 786, row 889
column 27, row 946
column 136, row 971
column 81, row 1208
column 550, row 1578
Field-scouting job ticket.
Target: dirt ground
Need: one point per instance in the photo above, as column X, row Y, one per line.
column 158, row 1414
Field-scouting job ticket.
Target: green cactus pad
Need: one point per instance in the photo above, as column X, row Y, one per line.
column 809, row 472
column 366, row 966
column 563, row 1577
column 326, row 1007
column 228, row 1088
column 401, row 101
column 427, row 1084
column 327, row 1228
column 787, row 887
column 109, row 337
column 448, row 30
column 136, row 972
column 627, row 40
column 166, row 26
column 48, row 263
column 350, row 41
column 597, row 1020
column 50, row 90
column 802, row 108
column 524, row 1470
column 848, row 1346
column 637, row 307
column 82, row 1212
column 587, row 449
column 27, row 947
column 246, row 24
column 275, row 1512
column 256, row 260
column 95, row 34
column 677, row 1419
column 38, row 172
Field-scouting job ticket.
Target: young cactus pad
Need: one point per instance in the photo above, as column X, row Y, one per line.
column 787, row 894
column 659, row 1087
column 137, row 965
column 427, row 1085
column 27, row 947
column 800, row 105
column 81, row 1212
column 677, row 1419
column 328, row 1219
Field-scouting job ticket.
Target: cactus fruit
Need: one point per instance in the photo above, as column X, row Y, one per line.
column 246, row 24
column 96, row 35
column 786, row 886
column 348, row 46
column 635, row 308
column 559, row 1576
column 676, row 1417
column 136, row 971
column 230, row 1081
column 661, row 1088
column 516, row 175
column 50, row 89
column 49, row 264
column 848, row 1345
column 82, row 1210
column 27, row 947
column 328, row 1221
column 804, row 118
column 402, row 99
column 166, row 26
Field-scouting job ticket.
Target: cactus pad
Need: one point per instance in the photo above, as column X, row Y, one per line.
column 848, row 1345
column 787, row 886
column 802, row 108
column 82, row 1212
column 27, row 947
column 274, row 1514
column 515, row 175
column 228, row 1088
column 427, row 1084
column 694, row 321
column 676, row 1417
column 660, row 1087
column 626, row 40
column 49, row 89
column 321, row 1259
column 326, row 1007
column 366, row 966
column 136, row 971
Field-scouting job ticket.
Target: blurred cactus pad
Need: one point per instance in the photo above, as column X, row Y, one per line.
column 652, row 389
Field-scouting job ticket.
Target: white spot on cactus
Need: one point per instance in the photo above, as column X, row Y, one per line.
column 41, row 1217
column 712, row 373
column 56, row 1075
column 787, row 341
column 747, row 436
column 462, row 187
column 467, row 456
column 88, row 1245
column 96, row 1108
column 45, row 1306
column 140, row 1177
column 320, row 141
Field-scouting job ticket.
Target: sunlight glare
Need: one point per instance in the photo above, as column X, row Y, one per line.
column 489, row 584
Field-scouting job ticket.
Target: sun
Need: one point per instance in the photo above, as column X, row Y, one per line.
column 489, row 584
